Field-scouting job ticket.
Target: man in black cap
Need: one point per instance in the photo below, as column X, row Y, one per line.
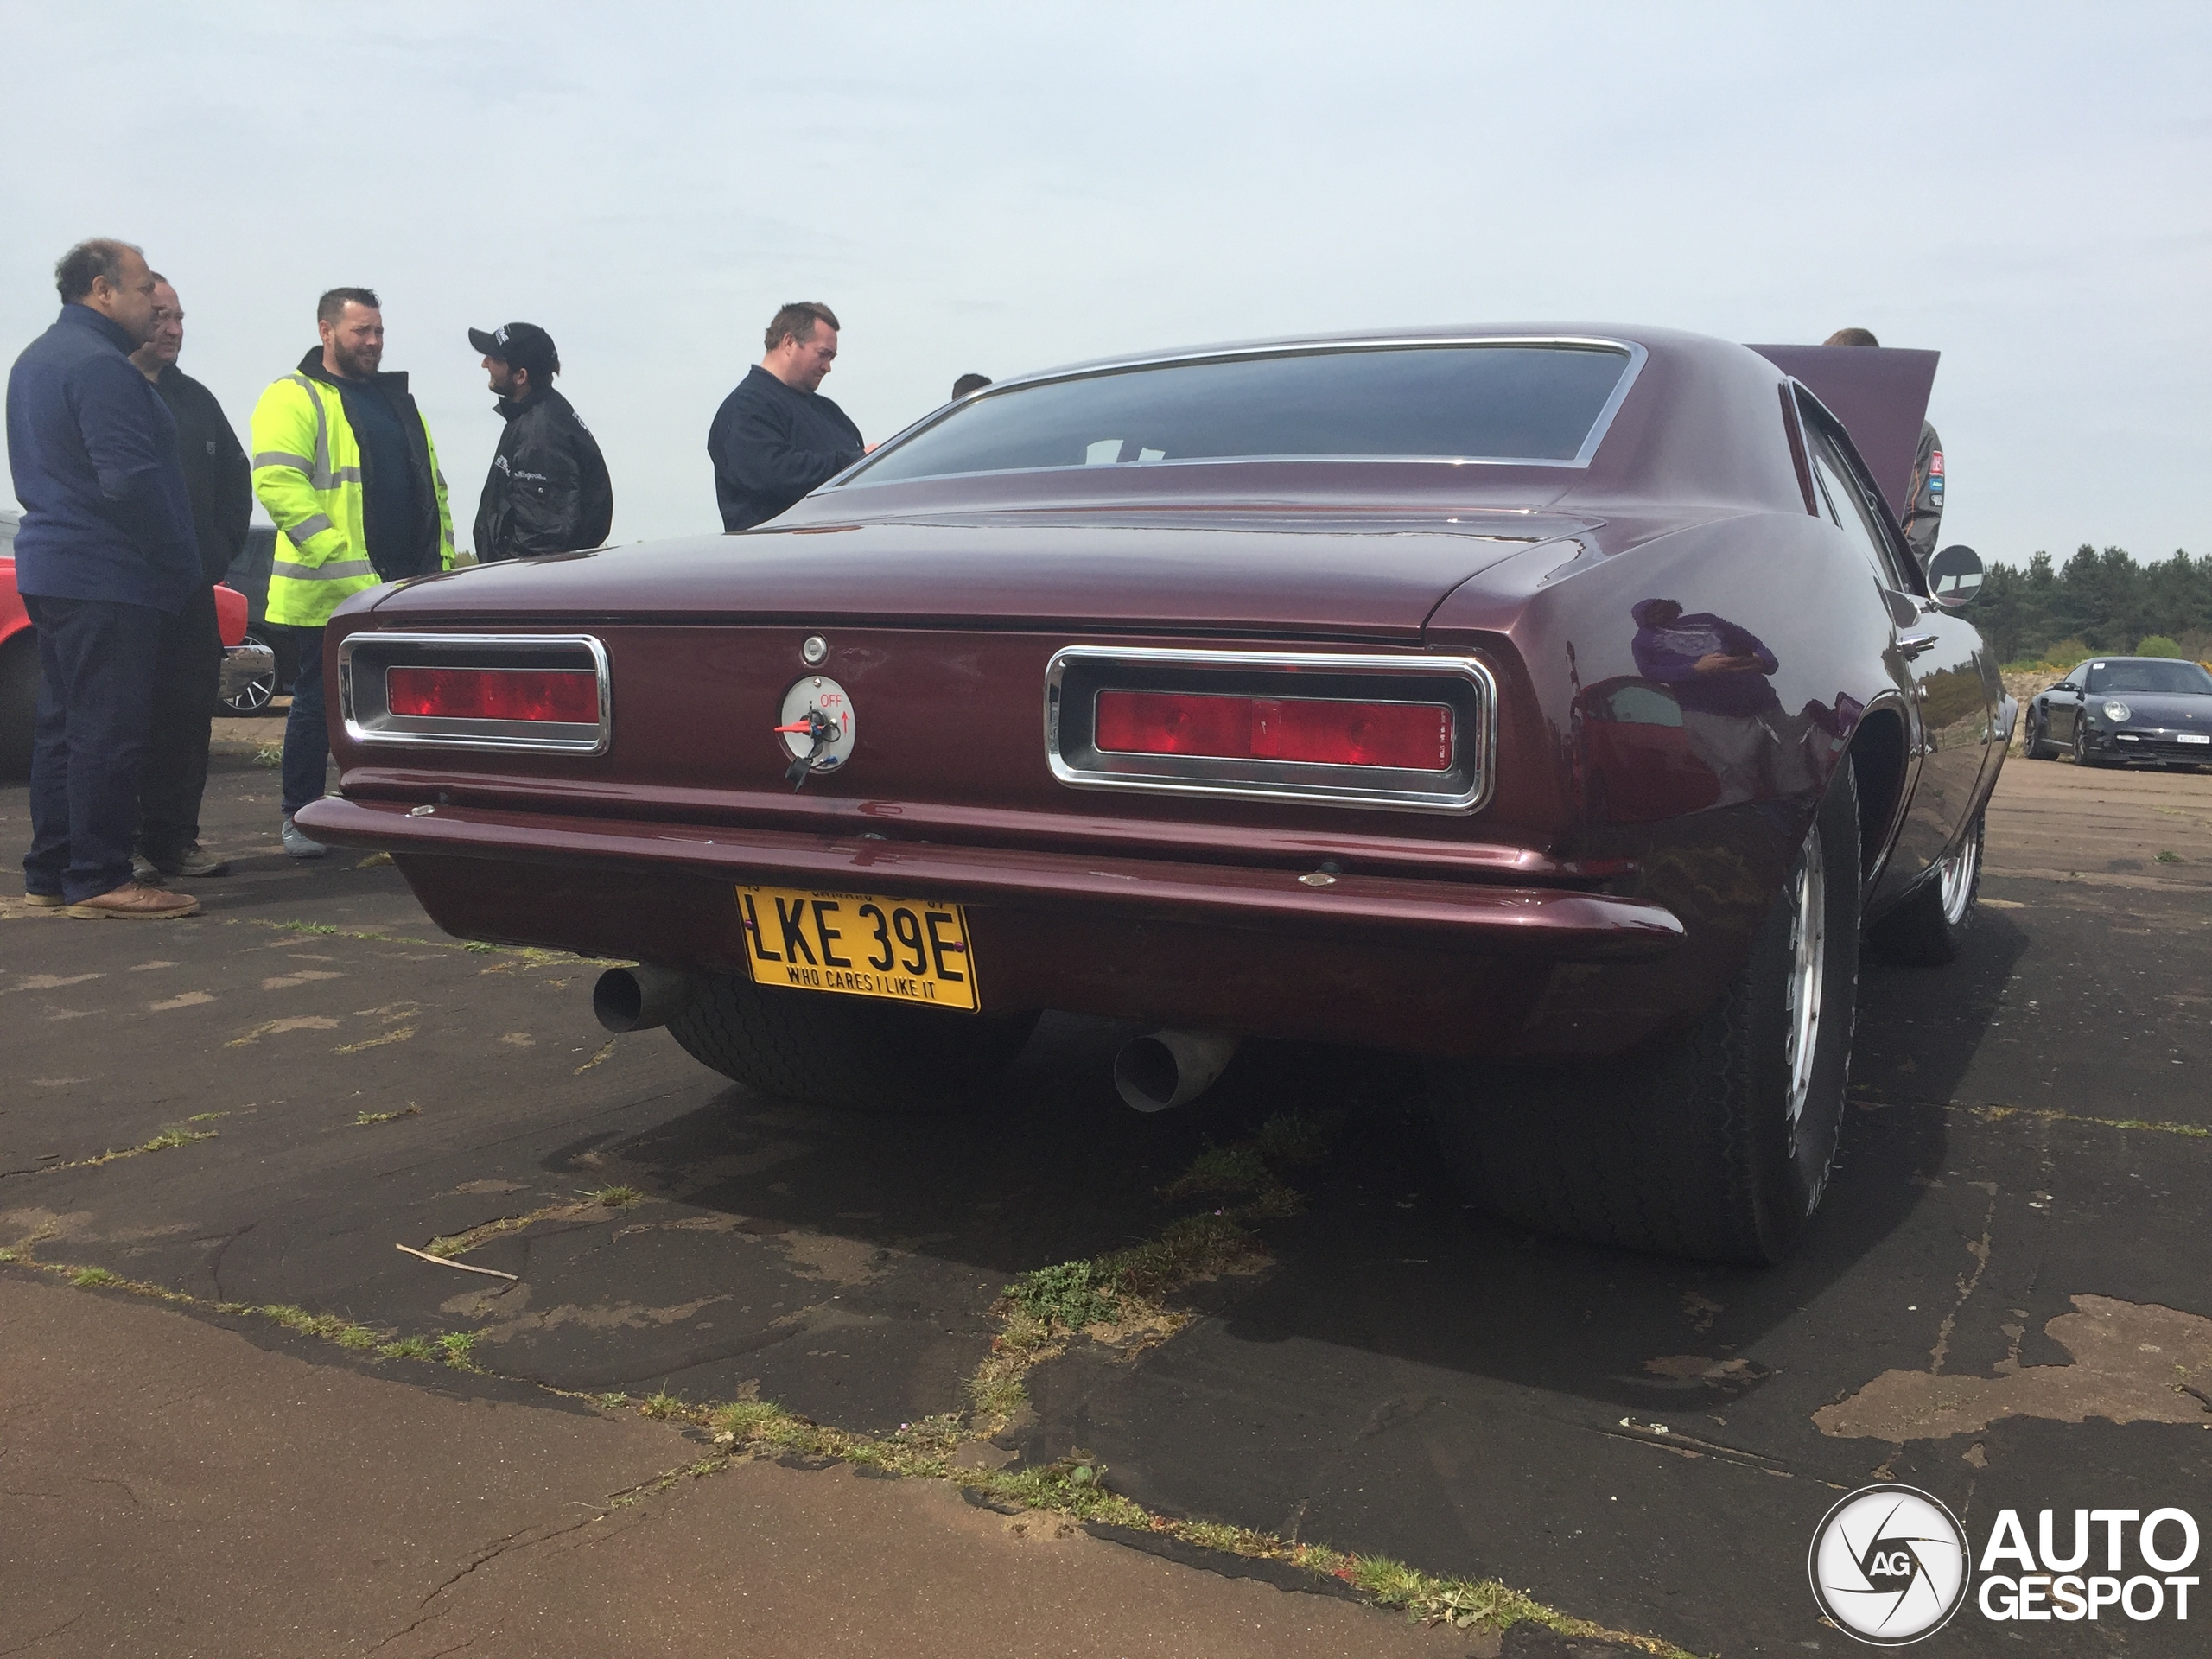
column 548, row 491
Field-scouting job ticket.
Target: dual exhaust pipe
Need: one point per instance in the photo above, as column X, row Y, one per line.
column 1152, row 1073
column 643, row 997
column 1170, row 1068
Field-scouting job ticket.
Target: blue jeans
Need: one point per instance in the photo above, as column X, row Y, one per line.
column 307, row 730
column 96, row 660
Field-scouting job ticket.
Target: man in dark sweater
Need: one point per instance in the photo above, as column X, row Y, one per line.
column 105, row 552
column 777, row 437
column 219, row 485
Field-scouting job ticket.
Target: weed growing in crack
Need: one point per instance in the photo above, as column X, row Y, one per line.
column 664, row 1407
column 1239, row 1168
column 362, row 1120
column 1299, row 1137
column 328, row 1327
column 614, row 1198
column 1072, row 1295
column 458, row 1350
column 86, row 1278
column 409, row 1348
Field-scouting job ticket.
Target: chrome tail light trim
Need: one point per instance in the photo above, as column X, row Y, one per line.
column 365, row 657
column 1076, row 673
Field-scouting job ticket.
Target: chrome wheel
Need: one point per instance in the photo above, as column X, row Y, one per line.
column 1809, row 933
column 1956, row 878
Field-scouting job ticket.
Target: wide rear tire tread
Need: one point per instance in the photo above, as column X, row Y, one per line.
column 1678, row 1147
column 846, row 1052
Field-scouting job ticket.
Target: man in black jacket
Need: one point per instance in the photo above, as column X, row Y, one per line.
column 776, row 437
column 219, row 485
column 548, row 491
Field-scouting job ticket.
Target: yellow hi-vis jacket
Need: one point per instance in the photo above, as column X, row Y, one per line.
column 307, row 470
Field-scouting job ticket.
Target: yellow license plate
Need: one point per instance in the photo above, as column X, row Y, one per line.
column 860, row 944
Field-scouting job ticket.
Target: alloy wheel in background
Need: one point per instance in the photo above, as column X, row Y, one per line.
column 256, row 695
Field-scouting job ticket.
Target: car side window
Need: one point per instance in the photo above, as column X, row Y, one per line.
column 1849, row 511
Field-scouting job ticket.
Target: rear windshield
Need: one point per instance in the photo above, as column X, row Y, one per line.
column 2148, row 679
column 1478, row 402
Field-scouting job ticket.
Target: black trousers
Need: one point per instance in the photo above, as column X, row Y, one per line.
column 188, row 667
column 96, row 676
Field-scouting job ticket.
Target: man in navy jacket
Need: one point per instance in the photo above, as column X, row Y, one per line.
column 105, row 551
column 777, row 437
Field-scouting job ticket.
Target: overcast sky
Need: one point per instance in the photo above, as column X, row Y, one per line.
column 2025, row 188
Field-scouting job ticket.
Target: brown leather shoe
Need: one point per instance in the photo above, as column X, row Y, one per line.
column 135, row 901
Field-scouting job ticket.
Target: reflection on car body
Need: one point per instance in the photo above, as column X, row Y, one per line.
column 1350, row 689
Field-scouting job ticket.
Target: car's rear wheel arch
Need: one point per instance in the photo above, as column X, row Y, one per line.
column 1878, row 765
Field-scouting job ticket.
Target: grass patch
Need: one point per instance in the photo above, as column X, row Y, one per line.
column 86, row 1278
column 407, row 1348
column 269, row 754
column 328, row 1327
column 614, row 1198
column 176, row 1135
column 664, row 1408
column 1239, row 1168
column 362, row 1120
column 458, row 1350
column 2166, row 857
column 1072, row 1294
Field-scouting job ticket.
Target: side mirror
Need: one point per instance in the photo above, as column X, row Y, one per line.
column 1954, row 576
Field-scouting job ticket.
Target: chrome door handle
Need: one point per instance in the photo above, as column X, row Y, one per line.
column 1913, row 644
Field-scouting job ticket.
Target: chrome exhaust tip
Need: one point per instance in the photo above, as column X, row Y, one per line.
column 1170, row 1068
column 641, row 998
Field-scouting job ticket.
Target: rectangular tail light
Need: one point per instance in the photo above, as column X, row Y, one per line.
column 1408, row 733
column 569, row 695
column 1308, row 731
column 549, row 693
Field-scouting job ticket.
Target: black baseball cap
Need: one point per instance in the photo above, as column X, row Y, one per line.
column 519, row 345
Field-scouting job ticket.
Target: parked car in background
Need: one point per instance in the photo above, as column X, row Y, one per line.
column 243, row 659
column 1554, row 703
column 249, row 574
column 2125, row 711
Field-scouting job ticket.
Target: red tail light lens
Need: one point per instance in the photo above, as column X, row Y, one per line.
column 569, row 695
column 1414, row 737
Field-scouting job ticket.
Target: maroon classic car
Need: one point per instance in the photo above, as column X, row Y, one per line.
column 1554, row 703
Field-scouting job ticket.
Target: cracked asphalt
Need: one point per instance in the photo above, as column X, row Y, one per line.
column 2005, row 1301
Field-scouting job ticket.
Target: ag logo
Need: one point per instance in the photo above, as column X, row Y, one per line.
column 1889, row 1565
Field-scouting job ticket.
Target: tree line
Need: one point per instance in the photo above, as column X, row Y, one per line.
column 2097, row 601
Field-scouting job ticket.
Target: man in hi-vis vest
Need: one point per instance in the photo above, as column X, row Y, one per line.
column 344, row 463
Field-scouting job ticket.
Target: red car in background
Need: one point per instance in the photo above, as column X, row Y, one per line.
column 19, row 656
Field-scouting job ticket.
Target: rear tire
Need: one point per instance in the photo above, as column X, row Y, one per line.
column 1716, row 1145
column 1929, row 929
column 846, row 1052
column 18, row 703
